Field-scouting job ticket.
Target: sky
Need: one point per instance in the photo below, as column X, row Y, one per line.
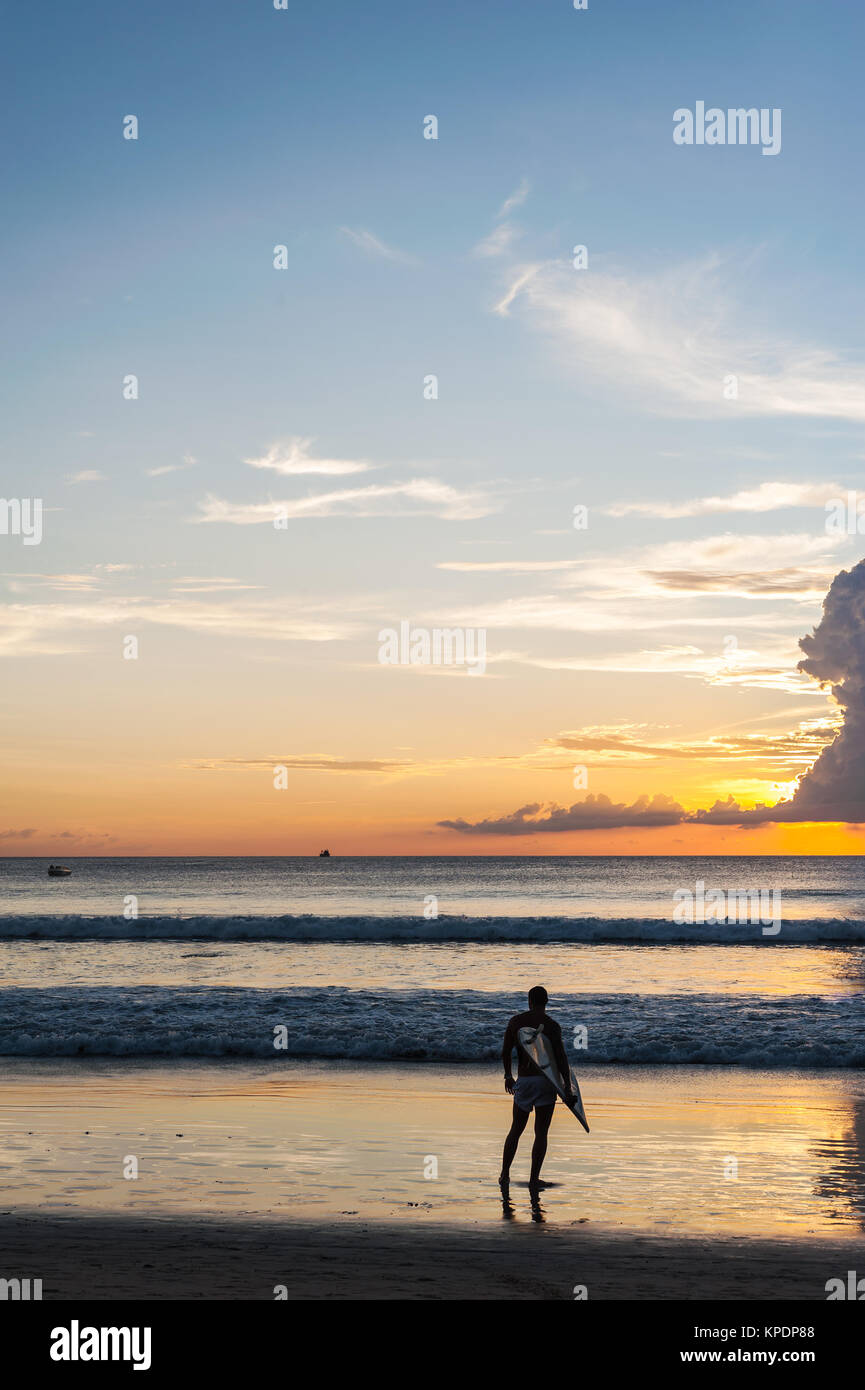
column 420, row 411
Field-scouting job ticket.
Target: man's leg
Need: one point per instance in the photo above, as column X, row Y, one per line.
column 518, row 1124
column 543, row 1118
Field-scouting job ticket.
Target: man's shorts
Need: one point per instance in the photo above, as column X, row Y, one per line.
column 534, row 1090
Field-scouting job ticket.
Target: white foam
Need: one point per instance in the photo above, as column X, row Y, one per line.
column 443, row 928
column 427, row 1025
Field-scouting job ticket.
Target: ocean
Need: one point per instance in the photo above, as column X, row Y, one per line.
column 424, row 959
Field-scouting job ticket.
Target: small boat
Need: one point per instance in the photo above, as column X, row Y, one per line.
column 58, row 871
column 324, row 854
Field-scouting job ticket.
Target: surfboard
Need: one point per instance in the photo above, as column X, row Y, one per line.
column 536, row 1045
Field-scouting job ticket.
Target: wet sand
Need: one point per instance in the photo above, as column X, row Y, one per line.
column 673, row 1151
column 224, row 1180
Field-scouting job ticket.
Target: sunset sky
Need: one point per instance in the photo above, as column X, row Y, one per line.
column 656, row 647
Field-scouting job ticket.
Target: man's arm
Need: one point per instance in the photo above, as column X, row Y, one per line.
column 562, row 1062
column 507, row 1057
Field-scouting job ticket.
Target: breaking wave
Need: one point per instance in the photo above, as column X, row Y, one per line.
column 426, row 1025
column 443, row 928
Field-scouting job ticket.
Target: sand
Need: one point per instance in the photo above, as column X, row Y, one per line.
column 115, row 1258
column 317, row 1178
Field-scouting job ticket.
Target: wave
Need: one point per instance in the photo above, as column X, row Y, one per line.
column 366, row 927
column 426, row 1025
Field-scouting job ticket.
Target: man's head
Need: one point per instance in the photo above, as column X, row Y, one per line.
column 538, row 997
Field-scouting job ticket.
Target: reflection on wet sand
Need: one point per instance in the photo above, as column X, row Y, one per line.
column 691, row 1150
column 841, row 1187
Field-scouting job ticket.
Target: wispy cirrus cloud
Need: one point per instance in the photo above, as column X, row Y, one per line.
column 374, row 246
column 57, row 629
column 791, row 750
column 418, row 497
column 164, row 468
column 502, row 238
column 743, row 566
column 498, row 242
column 292, row 459
column 674, row 339
column 769, row 667
column 515, row 200
column 564, row 613
column 86, row 475
column 768, row 497
column 202, row 584
column 303, row 762
column 19, row 582
column 509, row 566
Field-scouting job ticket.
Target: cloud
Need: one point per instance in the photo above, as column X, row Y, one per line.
column 791, row 750
column 832, row 790
column 292, row 459
column 671, row 588
column 509, row 566
column 673, row 340
column 84, row 836
column 87, row 475
column 419, row 497
column 190, row 584
column 499, row 241
column 306, row 762
column 188, row 462
column 593, row 613
column 373, row 246
column 59, row 583
column 61, row 628
column 518, row 282
column 735, row 564
column 516, row 199
column 792, row 582
column 768, row 497
column 18, row 834
column 742, row 666
column 593, row 813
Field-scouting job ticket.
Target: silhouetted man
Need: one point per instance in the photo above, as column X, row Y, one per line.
column 532, row 1090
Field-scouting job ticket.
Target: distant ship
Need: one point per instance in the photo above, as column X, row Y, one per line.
column 58, row 871
column 324, row 854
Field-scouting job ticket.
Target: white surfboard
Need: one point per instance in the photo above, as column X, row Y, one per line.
column 537, row 1046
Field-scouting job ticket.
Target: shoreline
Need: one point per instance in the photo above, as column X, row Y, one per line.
column 693, row 1153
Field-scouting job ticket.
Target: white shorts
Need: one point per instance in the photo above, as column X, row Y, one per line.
column 534, row 1090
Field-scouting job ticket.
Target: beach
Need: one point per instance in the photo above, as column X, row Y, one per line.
column 113, row 1259
column 332, row 1180
column 222, row 1099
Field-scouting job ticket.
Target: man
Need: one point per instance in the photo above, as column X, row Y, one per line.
column 532, row 1090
